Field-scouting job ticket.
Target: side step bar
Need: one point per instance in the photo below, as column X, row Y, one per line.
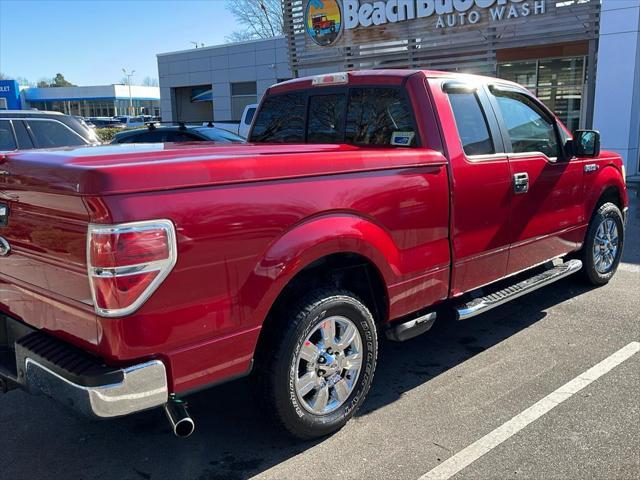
column 412, row 328
column 484, row 304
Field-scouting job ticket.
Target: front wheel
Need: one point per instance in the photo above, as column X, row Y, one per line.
column 321, row 363
column 603, row 245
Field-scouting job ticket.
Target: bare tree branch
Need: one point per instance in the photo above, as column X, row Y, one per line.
column 258, row 18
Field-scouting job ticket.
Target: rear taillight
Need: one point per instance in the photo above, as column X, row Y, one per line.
column 127, row 263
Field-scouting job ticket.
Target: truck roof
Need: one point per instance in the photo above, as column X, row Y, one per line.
column 381, row 77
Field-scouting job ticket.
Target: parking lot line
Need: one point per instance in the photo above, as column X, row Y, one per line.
column 473, row 452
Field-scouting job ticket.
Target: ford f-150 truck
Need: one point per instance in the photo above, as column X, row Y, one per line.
column 365, row 204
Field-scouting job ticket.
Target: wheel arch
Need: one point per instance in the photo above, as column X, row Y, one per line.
column 609, row 188
column 346, row 251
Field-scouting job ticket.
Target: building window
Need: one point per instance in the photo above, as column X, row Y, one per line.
column 558, row 82
column 242, row 94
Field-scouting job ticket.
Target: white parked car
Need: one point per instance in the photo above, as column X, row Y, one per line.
column 137, row 121
column 243, row 126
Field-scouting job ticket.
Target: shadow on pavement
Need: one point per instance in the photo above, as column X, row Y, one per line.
column 632, row 240
column 232, row 439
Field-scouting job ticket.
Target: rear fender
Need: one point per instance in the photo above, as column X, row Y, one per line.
column 308, row 242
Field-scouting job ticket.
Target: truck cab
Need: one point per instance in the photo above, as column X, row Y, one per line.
column 366, row 204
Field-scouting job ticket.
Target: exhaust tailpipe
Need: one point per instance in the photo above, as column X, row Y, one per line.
column 181, row 423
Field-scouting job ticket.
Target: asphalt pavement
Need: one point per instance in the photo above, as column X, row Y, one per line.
column 435, row 399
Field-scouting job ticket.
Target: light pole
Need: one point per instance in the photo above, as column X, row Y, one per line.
column 129, row 75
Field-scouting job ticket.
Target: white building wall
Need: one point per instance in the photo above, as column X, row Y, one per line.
column 617, row 101
column 91, row 92
column 262, row 61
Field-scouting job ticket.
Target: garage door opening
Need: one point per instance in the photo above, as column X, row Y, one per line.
column 193, row 104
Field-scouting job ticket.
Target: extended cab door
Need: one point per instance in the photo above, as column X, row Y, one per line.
column 480, row 182
column 546, row 192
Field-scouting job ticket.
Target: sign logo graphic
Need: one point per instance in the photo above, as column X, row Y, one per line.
column 323, row 21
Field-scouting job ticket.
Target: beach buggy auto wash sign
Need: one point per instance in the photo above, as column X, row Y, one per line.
column 326, row 19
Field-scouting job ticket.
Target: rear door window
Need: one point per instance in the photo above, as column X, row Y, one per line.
column 22, row 135
column 49, row 134
column 379, row 116
column 281, row 119
column 7, row 141
column 472, row 124
column 326, row 118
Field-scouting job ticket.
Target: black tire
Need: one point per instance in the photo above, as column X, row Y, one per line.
column 589, row 271
column 276, row 367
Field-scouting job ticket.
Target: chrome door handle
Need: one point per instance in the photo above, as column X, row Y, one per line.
column 521, row 183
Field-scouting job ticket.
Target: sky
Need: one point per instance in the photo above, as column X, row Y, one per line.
column 90, row 42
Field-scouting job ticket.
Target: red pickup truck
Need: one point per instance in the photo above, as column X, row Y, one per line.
column 366, row 203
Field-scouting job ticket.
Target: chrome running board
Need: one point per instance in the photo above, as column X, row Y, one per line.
column 484, row 304
column 411, row 328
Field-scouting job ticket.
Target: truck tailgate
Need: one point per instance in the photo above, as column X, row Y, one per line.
column 43, row 277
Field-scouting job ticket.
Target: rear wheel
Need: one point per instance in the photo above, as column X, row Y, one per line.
column 602, row 249
column 321, row 364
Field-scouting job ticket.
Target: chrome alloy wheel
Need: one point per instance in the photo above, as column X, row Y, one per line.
column 328, row 365
column 605, row 246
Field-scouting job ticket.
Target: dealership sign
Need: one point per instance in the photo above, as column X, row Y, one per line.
column 325, row 19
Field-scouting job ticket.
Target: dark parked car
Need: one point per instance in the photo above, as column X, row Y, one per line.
column 26, row 129
column 177, row 133
column 106, row 122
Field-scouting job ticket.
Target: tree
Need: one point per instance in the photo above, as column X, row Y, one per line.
column 260, row 19
column 57, row 81
column 60, row 81
column 150, row 82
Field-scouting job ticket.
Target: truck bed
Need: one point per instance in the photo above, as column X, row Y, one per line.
column 128, row 168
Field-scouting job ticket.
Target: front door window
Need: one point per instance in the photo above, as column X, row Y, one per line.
column 529, row 130
column 558, row 82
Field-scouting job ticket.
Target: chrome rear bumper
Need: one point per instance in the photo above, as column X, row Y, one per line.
column 143, row 386
column 44, row 365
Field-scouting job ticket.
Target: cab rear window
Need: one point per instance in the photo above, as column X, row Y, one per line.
column 359, row 115
column 379, row 116
column 280, row 120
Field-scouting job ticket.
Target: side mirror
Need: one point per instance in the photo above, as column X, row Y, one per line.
column 585, row 143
